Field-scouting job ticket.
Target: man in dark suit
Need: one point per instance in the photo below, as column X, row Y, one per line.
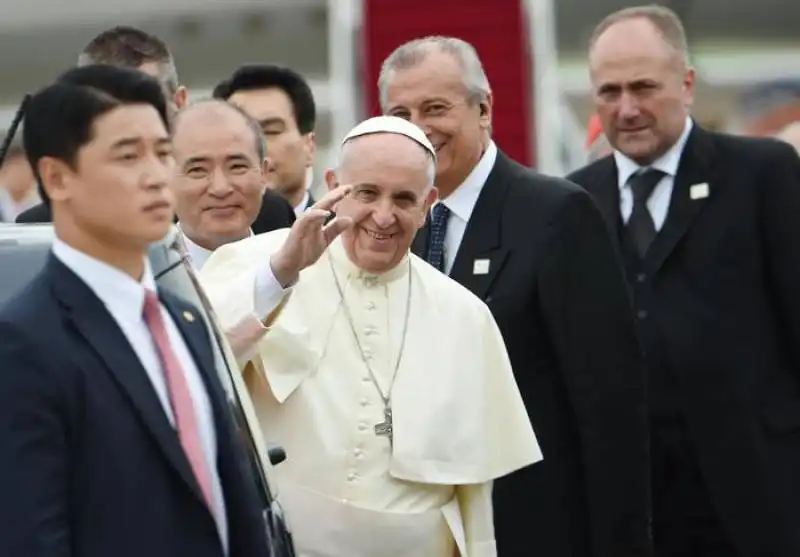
column 706, row 223
column 115, row 432
column 281, row 101
column 535, row 249
column 129, row 47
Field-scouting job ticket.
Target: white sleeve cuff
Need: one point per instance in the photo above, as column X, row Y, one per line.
column 268, row 292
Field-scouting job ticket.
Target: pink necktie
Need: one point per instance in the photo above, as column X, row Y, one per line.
column 179, row 395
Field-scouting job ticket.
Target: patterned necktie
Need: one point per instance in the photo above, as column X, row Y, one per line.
column 179, row 396
column 436, row 236
column 641, row 229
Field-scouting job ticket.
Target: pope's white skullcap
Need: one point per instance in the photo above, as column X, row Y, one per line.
column 391, row 124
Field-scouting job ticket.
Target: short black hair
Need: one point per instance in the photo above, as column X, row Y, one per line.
column 59, row 119
column 130, row 47
column 265, row 76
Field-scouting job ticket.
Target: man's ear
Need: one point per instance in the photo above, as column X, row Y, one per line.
column 180, row 97
column 267, row 167
column 310, row 148
column 56, row 178
column 430, row 199
column 330, row 179
column 267, row 171
column 485, row 107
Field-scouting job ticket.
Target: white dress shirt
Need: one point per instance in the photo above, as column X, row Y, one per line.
column 658, row 202
column 124, row 300
column 197, row 253
column 461, row 203
column 301, row 207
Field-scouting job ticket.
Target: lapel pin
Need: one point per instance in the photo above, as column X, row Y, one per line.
column 699, row 191
column 480, row 267
column 188, row 317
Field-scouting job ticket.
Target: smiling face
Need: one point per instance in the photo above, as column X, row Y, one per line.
column 642, row 89
column 390, row 199
column 219, row 185
column 432, row 94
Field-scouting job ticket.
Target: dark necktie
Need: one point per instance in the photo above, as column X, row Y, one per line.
column 641, row 229
column 436, row 237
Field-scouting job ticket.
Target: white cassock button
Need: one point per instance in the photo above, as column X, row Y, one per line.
column 370, row 306
column 351, row 477
column 364, row 401
column 365, row 379
column 358, row 453
column 370, row 331
column 362, row 426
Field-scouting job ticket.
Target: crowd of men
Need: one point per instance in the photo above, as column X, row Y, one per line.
column 460, row 355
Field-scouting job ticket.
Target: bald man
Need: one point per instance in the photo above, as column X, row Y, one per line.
column 220, row 155
column 707, row 224
column 221, row 163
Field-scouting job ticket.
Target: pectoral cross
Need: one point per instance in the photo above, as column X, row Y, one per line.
column 384, row 428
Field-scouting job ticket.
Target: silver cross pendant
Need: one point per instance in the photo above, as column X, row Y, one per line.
column 384, row 429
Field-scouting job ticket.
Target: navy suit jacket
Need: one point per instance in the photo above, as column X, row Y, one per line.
column 89, row 463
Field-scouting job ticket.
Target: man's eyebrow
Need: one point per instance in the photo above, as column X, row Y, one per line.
column 196, row 160
column 271, row 122
column 126, row 142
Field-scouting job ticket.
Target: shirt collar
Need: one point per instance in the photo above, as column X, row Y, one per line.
column 122, row 295
column 300, row 208
column 667, row 163
column 346, row 268
column 198, row 255
column 462, row 201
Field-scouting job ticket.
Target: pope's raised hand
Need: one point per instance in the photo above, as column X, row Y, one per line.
column 309, row 237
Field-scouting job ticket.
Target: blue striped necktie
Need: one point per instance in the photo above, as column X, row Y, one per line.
column 437, row 233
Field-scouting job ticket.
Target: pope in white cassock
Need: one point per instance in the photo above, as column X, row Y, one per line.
column 387, row 382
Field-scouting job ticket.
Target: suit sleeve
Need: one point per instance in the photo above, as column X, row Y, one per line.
column 588, row 313
column 780, row 218
column 34, row 455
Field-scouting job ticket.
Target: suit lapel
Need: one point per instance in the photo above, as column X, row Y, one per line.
column 481, row 254
column 99, row 330
column 197, row 339
column 694, row 170
column 605, row 191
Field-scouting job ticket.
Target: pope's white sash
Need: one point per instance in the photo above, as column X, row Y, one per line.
column 327, row 527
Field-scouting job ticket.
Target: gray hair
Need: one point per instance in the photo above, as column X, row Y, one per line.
column 413, row 52
column 130, row 47
column 255, row 127
column 431, row 161
column 666, row 21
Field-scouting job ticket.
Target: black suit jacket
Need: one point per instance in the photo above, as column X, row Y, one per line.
column 37, row 214
column 556, row 289
column 90, row 466
column 723, row 316
column 275, row 213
